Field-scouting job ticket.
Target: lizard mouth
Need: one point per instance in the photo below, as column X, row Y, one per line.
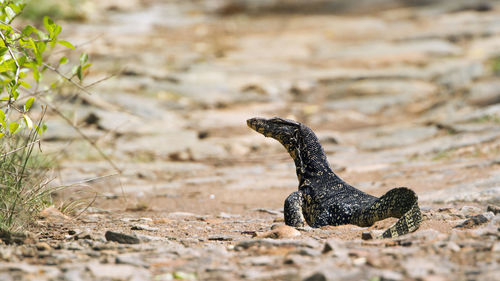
column 254, row 123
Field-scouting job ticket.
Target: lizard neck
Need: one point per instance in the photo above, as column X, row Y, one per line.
column 309, row 157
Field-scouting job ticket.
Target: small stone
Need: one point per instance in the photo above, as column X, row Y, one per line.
column 220, row 238
column 470, row 210
column 330, row 245
column 359, row 261
column 42, row 246
column 117, row 272
column 121, row 238
column 366, row 235
column 473, row 221
column 259, row 260
column 318, row 276
column 131, row 260
column 307, row 252
column 496, row 247
column 53, row 215
column 494, row 209
column 17, row 237
column 389, row 275
column 144, row 227
column 280, row 232
column 223, row 215
column 453, row 246
column 84, row 235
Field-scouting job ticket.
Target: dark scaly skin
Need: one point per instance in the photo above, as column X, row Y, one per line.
column 325, row 199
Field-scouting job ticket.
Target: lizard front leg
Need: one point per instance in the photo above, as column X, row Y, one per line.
column 293, row 210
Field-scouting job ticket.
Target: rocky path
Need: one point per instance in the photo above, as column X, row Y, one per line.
column 400, row 97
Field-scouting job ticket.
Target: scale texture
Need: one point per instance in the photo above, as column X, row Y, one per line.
column 325, row 199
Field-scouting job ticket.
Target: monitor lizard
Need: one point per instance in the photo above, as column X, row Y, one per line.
column 323, row 198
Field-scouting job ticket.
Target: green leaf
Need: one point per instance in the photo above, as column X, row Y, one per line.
column 2, row 115
column 63, row 60
column 3, row 50
column 49, row 25
column 10, row 13
column 66, row 44
column 24, row 84
column 28, row 121
column 5, row 27
column 86, row 66
column 17, row 7
column 29, row 103
column 57, row 30
column 1, row 135
column 84, row 57
column 79, row 73
column 13, row 126
column 36, row 74
column 27, row 30
column 8, row 65
column 41, row 129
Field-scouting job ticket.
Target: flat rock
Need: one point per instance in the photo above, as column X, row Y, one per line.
column 121, row 238
column 117, row 271
column 280, row 232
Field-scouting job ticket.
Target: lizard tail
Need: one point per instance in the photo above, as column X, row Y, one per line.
column 399, row 203
column 403, row 203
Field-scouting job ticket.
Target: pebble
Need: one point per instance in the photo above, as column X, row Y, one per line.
column 144, row 227
column 280, row 232
column 473, row 221
column 366, row 235
column 220, row 238
column 121, row 238
column 470, row 210
column 493, row 209
column 43, row 246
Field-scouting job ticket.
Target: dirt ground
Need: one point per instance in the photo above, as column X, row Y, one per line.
column 398, row 96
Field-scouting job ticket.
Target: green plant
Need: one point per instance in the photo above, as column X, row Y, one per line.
column 24, row 189
column 23, row 62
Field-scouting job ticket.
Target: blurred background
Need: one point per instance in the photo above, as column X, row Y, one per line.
column 153, row 144
column 399, row 92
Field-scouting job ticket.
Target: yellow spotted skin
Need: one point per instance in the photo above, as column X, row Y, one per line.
column 325, row 199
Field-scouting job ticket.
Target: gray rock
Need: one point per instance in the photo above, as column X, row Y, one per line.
column 121, row 238
column 74, row 274
column 420, row 267
column 494, row 209
column 366, row 235
column 268, row 242
column 484, row 93
column 220, row 238
column 131, row 259
column 307, row 252
column 117, row 271
column 143, row 227
column 469, row 210
column 259, row 260
column 318, row 276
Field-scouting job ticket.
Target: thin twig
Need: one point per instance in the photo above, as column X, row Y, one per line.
column 85, row 209
column 19, row 148
column 67, row 78
column 91, row 179
column 92, row 142
column 103, row 79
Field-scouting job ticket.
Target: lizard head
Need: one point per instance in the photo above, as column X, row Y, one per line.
column 283, row 130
